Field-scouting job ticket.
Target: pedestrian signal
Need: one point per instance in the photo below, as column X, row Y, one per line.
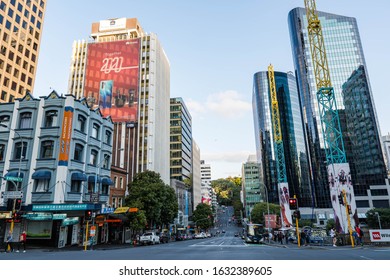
column 18, row 204
column 341, row 199
column 297, row 214
column 349, row 210
column 88, row 215
column 293, row 203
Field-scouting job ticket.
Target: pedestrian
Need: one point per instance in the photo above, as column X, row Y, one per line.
column 280, row 237
column 8, row 242
column 22, row 241
column 333, row 236
column 360, row 235
column 286, row 237
column 303, row 237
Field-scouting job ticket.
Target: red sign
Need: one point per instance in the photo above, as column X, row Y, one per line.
column 111, row 79
column 376, row 235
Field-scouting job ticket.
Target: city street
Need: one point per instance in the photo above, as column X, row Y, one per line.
column 223, row 247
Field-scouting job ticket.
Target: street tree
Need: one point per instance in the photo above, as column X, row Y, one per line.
column 261, row 209
column 153, row 196
column 378, row 214
column 203, row 216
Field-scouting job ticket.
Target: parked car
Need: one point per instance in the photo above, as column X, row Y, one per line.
column 149, row 238
column 180, row 237
column 200, row 235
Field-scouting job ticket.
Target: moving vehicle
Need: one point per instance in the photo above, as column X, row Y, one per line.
column 200, row 235
column 253, row 233
column 149, row 238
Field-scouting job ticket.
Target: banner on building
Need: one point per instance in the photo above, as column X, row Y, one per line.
column 66, row 135
column 111, row 78
column 339, row 178
column 285, row 211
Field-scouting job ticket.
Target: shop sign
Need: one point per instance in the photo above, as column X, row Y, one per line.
column 38, row 216
column 60, row 207
column 59, row 216
column 70, row 221
column 107, row 210
column 5, row 215
column 380, row 235
column 121, row 210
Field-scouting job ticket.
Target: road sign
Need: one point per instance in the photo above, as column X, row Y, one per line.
column 11, row 195
column 16, row 179
column 92, row 232
column 94, row 197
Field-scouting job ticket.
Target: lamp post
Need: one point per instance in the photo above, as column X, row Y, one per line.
column 20, row 165
column 379, row 219
column 266, row 193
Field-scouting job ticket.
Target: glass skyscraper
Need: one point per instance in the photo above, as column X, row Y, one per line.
column 345, row 56
column 296, row 158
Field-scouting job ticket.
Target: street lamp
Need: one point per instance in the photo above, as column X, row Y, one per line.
column 379, row 219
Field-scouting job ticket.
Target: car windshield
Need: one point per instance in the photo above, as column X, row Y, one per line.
column 148, row 233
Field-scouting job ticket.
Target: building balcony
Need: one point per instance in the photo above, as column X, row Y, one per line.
column 72, row 197
column 42, row 197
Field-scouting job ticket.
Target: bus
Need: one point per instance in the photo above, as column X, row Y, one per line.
column 253, row 233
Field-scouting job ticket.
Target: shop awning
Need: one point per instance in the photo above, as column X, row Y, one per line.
column 107, row 181
column 78, row 176
column 92, row 179
column 41, row 175
column 14, row 174
column 116, row 217
column 120, row 210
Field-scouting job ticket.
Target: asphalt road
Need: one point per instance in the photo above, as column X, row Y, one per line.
column 222, row 247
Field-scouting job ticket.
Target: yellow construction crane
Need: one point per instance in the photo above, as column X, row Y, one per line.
column 338, row 167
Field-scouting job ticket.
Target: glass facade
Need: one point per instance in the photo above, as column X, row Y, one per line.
column 251, row 186
column 345, row 55
column 296, row 157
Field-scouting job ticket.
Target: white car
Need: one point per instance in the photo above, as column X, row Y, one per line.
column 200, row 235
column 149, row 238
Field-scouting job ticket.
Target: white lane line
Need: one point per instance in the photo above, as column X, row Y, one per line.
column 363, row 257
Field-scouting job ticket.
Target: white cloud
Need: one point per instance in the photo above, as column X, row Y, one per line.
column 227, row 104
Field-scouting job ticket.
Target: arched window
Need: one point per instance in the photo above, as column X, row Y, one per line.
column 25, row 120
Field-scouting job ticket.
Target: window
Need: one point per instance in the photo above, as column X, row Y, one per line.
column 47, row 149
column 115, row 182
column 81, row 123
column 78, row 152
column 75, row 186
column 25, row 120
column 95, row 131
column 91, row 187
column 107, row 137
column 41, row 185
column 121, row 182
column 20, row 150
column 93, row 158
column 51, row 118
column 4, row 121
column 2, row 152
column 106, row 162
column 105, row 189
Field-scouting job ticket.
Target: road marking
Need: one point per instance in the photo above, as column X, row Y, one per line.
column 363, row 257
column 212, row 245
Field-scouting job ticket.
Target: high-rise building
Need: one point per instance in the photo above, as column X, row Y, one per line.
column 196, row 181
column 126, row 73
column 251, row 184
column 205, row 177
column 345, row 56
column 386, row 149
column 296, row 156
column 181, row 141
column 21, row 24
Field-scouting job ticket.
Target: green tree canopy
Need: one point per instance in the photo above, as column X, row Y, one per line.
column 373, row 220
column 158, row 200
column 261, row 209
column 203, row 216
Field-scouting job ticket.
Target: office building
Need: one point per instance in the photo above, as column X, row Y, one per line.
column 251, row 184
column 21, row 24
column 386, row 149
column 196, row 181
column 296, row 156
column 125, row 72
column 181, row 141
column 345, row 57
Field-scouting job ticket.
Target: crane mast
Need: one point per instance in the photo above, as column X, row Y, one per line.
column 279, row 151
column 339, row 177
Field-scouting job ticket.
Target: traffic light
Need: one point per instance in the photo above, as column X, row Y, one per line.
column 297, row 214
column 349, row 210
column 293, row 203
column 88, row 215
column 18, row 204
column 341, row 199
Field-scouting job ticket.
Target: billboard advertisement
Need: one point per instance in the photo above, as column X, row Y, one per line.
column 285, row 210
column 111, row 78
column 339, row 177
column 66, row 135
column 379, row 235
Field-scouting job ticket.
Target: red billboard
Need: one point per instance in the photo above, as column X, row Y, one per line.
column 111, row 78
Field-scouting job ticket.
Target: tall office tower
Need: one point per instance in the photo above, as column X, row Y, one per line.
column 196, row 181
column 296, row 157
column 126, row 73
column 345, row 56
column 181, row 141
column 21, row 25
column 205, row 177
column 386, row 149
column 251, row 184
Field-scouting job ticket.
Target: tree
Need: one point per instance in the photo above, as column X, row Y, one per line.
column 137, row 220
column 261, row 209
column 203, row 216
column 151, row 195
column 373, row 220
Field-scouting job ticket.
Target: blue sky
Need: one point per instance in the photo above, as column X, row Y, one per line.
column 214, row 48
